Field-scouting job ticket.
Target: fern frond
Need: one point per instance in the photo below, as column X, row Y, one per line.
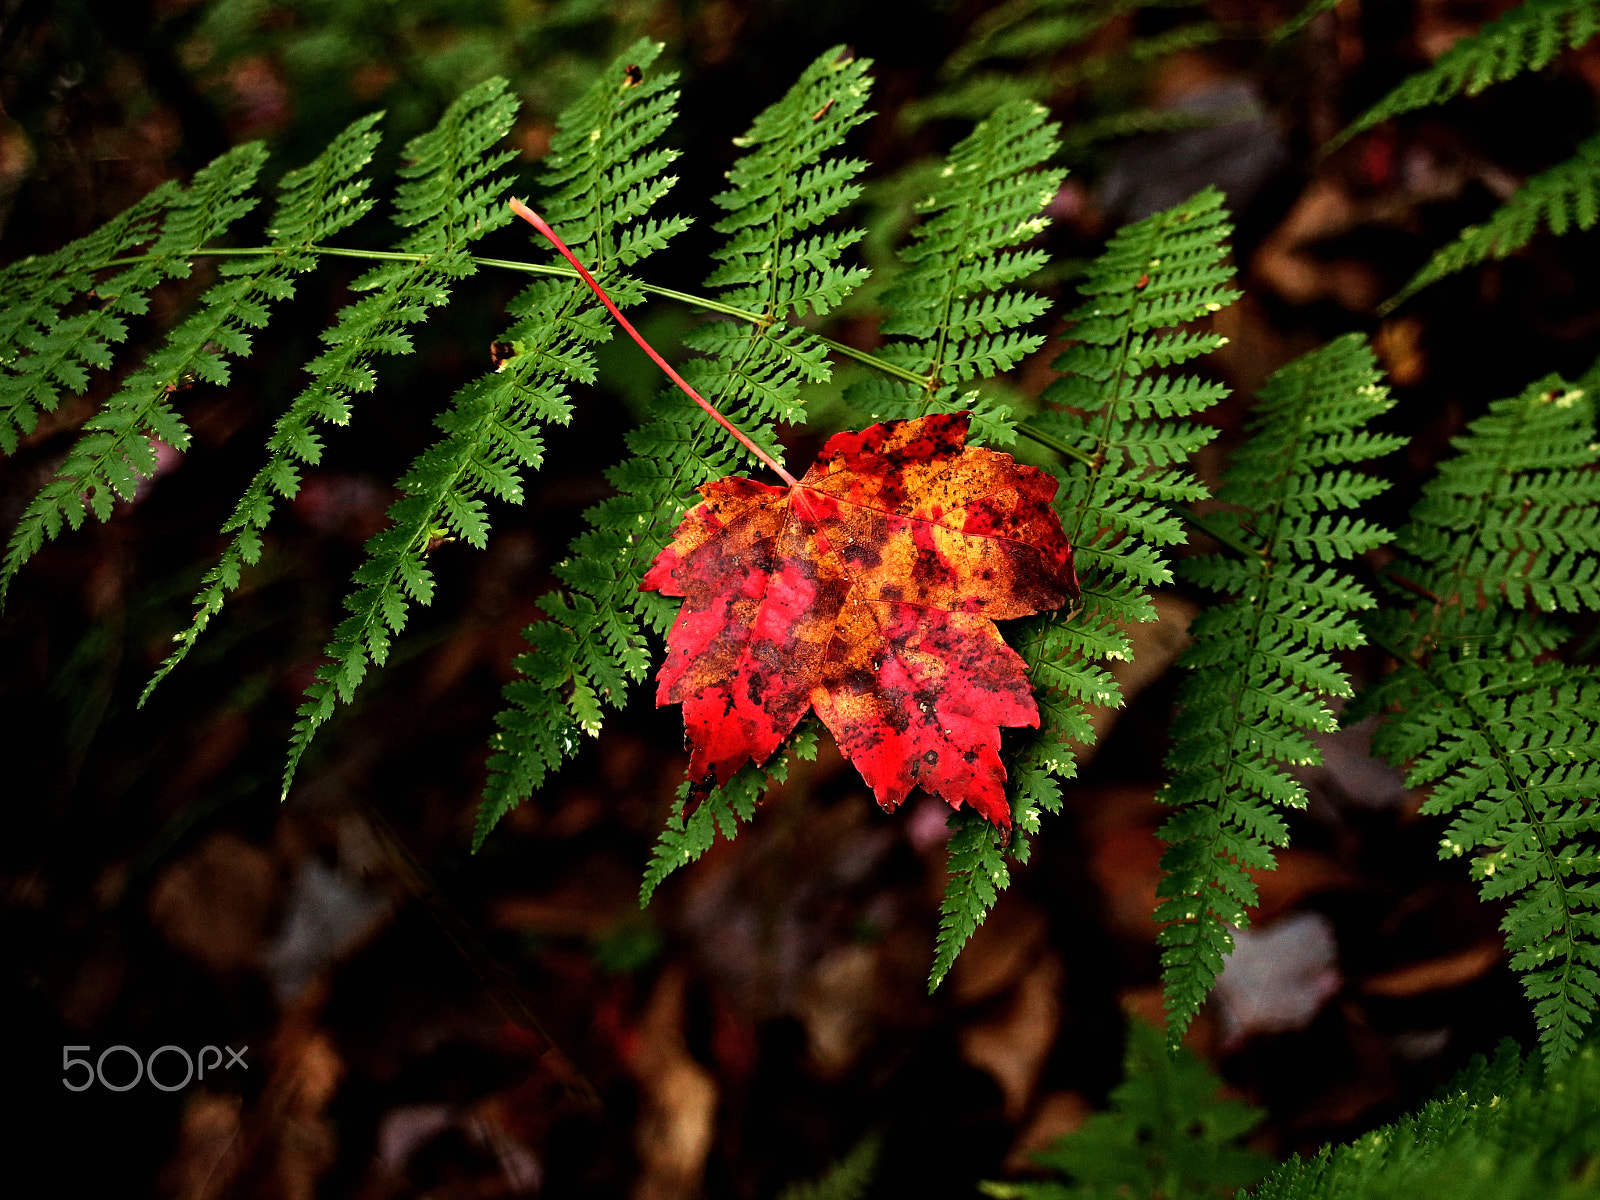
column 447, row 201
column 1527, row 38
column 1566, row 195
column 117, row 448
column 607, row 173
column 976, row 872
column 957, row 319
column 690, row 831
column 1514, row 518
column 1302, row 20
column 42, row 352
column 1509, row 741
column 1260, row 670
column 1015, row 52
column 848, row 1179
column 1133, row 426
column 774, row 264
column 314, row 203
column 1504, row 1129
column 1169, row 1132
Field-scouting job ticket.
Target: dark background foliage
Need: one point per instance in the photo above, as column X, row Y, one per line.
column 399, row 997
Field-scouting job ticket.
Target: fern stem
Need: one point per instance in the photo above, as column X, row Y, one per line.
column 706, row 303
column 1215, row 532
column 844, row 349
column 1051, row 442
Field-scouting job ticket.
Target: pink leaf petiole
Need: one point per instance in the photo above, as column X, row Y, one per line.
column 538, row 222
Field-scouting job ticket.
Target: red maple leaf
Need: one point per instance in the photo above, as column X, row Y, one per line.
column 868, row 591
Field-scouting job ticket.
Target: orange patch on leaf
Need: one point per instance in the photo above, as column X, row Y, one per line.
column 867, row 592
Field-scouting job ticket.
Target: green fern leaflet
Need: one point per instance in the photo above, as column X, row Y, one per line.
column 955, row 319
column 1566, row 195
column 1169, row 1133
column 607, row 173
column 117, row 448
column 1507, row 738
column 1259, row 670
column 1505, row 1129
column 444, row 212
column 1129, row 431
column 1527, row 38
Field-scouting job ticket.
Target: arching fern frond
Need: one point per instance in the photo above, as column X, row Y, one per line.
column 1526, row 38
column 42, row 352
column 1260, row 669
column 1512, row 520
column 957, row 320
column 1509, row 1128
column 447, row 200
column 695, row 823
column 1302, row 20
column 1171, row 1131
column 1566, row 195
column 314, row 203
column 775, row 265
column 1506, row 737
column 1132, row 427
column 1032, row 49
column 607, row 173
column 117, row 448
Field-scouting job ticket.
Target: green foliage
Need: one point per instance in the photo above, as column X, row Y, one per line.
column 1302, row 20
column 976, row 872
column 1566, row 195
column 449, row 199
column 1527, row 38
column 117, row 448
column 42, row 351
column 1505, row 1129
column 1260, row 668
column 1506, row 737
column 847, row 1179
column 1033, row 49
column 1169, row 1135
column 1129, row 432
column 607, row 173
column 694, row 823
column 414, row 58
column 317, row 202
column 954, row 319
column 780, row 261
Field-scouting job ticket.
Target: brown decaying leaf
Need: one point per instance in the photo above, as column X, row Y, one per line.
column 868, row 592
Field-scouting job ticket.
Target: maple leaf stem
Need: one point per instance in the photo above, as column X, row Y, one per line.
column 534, row 219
